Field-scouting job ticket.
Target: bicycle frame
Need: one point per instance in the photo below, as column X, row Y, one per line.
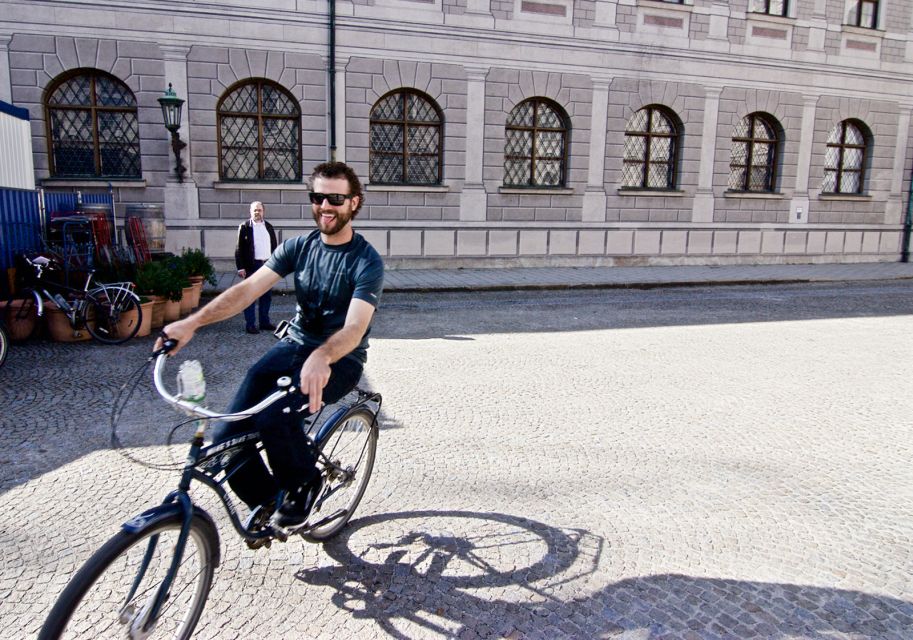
column 44, row 290
column 235, row 452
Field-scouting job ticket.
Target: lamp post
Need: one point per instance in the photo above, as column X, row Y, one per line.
column 171, row 112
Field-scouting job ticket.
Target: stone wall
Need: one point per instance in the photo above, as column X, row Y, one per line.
column 504, row 90
column 36, row 60
column 708, row 63
column 211, row 72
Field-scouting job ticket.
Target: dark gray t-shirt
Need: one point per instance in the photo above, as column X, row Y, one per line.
column 327, row 277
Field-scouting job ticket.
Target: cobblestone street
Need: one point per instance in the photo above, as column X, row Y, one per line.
column 700, row 463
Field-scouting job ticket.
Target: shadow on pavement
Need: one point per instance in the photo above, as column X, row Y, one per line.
column 462, row 574
column 56, row 399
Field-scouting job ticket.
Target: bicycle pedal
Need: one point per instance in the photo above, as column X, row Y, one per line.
column 259, row 543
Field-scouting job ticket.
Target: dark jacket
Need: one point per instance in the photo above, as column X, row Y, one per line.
column 244, row 251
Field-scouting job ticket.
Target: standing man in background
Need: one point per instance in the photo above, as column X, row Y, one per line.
column 256, row 243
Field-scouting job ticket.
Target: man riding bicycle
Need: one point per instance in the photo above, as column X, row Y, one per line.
column 338, row 281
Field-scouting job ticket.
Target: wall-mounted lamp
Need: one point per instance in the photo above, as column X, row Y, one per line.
column 171, row 112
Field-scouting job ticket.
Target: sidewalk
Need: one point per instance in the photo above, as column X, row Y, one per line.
column 418, row 280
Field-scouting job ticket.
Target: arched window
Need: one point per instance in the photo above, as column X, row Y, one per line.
column 844, row 160
column 651, row 143
column 406, row 139
column 92, row 127
column 535, row 151
column 259, row 126
column 755, row 143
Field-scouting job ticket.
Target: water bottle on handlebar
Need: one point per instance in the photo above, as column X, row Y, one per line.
column 191, row 383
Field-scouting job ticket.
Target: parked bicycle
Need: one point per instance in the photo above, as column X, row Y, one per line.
column 111, row 313
column 154, row 575
column 4, row 343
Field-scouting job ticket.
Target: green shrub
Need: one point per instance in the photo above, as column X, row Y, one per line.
column 178, row 270
column 197, row 264
column 158, row 278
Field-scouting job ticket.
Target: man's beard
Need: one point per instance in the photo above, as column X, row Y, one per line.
column 332, row 227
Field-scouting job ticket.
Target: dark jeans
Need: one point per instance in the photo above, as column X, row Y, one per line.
column 263, row 302
column 292, row 459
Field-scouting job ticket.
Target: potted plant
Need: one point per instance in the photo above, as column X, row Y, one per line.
column 200, row 269
column 145, row 326
column 165, row 286
column 175, row 266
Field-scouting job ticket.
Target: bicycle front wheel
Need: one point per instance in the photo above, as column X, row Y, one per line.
column 347, row 459
column 97, row 601
column 113, row 315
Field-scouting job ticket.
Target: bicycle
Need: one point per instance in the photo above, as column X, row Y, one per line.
column 163, row 560
column 111, row 313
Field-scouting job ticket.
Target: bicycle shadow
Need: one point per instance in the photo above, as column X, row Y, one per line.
column 432, row 581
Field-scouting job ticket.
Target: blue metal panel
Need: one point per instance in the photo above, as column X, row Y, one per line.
column 63, row 202
column 97, row 198
column 59, row 202
column 20, row 219
column 12, row 110
column 20, row 224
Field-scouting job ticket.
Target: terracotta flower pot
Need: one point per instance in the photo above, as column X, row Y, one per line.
column 145, row 325
column 127, row 321
column 20, row 318
column 158, row 311
column 172, row 310
column 186, row 300
column 197, row 283
column 59, row 325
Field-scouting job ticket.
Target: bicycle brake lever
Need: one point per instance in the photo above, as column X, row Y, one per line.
column 167, row 345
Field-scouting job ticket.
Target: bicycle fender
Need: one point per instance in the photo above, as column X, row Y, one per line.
column 159, row 513
column 329, row 423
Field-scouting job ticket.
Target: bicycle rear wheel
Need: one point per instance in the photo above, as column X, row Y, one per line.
column 346, row 461
column 4, row 345
column 94, row 604
column 113, row 315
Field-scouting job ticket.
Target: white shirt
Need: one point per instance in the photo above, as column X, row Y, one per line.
column 261, row 241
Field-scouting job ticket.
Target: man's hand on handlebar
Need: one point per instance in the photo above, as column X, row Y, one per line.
column 181, row 332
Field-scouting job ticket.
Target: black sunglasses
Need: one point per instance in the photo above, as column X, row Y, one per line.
column 334, row 199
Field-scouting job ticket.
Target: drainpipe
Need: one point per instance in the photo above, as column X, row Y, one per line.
column 331, row 72
column 907, row 224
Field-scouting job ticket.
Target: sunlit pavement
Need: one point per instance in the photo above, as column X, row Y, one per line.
column 690, row 463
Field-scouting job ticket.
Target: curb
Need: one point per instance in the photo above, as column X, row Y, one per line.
column 640, row 284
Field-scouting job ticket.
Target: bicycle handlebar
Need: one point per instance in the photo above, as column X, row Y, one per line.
column 284, row 383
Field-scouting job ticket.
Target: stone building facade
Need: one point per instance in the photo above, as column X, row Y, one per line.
column 819, row 89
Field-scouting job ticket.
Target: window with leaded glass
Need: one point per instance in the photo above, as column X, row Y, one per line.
column 259, row 126
column 649, row 154
column 752, row 166
column 535, row 152
column 865, row 14
column 770, row 7
column 844, row 160
column 406, row 139
column 92, row 126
